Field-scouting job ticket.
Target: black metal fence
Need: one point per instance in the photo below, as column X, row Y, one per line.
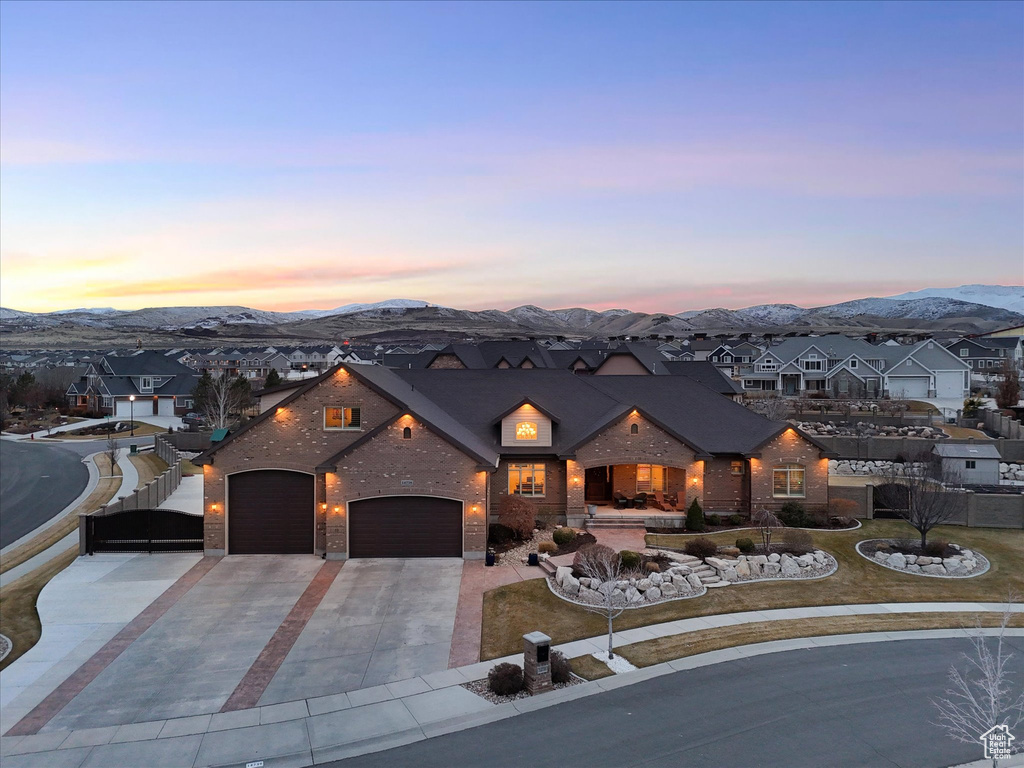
column 144, row 530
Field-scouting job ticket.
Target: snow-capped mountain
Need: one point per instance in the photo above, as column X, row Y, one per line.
column 398, row 315
column 1009, row 297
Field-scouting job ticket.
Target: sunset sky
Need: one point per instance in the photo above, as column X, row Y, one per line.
column 659, row 157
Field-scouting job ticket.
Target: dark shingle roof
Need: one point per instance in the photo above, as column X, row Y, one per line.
column 706, row 373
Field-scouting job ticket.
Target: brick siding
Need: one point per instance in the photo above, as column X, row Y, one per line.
column 789, row 448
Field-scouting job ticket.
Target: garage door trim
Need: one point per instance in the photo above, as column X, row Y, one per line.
column 227, row 500
column 350, row 502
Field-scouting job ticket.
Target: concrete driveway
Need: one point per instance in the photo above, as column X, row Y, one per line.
column 381, row 621
column 236, row 631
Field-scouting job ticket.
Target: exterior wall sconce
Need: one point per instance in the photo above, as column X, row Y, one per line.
column 324, row 506
column 337, row 510
column 213, row 507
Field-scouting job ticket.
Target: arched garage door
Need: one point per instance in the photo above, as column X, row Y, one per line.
column 405, row 526
column 270, row 512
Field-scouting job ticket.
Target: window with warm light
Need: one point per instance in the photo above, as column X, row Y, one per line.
column 526, row 479
column 650, row 478
column 788, row 481
column 526, row 430
column 342, row 417
column 736, row 467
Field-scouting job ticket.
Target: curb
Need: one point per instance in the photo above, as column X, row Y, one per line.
column 51, row 741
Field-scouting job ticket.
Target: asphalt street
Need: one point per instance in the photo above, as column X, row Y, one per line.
column 853, row 705
column 38, row 480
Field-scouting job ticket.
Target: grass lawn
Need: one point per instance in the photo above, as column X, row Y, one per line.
column 188, row 468
column 590, row 668
column 663, row 649
column 103, row 493
column 511, row 611
column 961, row 432
column 149, row 466
column 18, row 615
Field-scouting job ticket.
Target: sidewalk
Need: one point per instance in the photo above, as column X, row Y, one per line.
column 318, row 730
column 314, row 730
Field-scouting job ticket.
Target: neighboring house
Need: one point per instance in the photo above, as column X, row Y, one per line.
column 146, row 383
column 839, row 366
column 985, row 355
column 369, row 461
column 970, row 464
column 733, row 355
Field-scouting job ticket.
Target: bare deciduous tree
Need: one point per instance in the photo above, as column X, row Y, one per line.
column 766, row 522
column 111, row 451
column 601, row 563
column 772, row 407
column 921, row 492
column 218, row 398
column 983, row 696
column 1008, row 389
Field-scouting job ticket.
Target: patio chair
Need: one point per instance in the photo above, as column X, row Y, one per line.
column 622, row 501
column 640, row 501
column 664, row 503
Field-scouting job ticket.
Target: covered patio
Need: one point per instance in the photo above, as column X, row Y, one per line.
column 626, row 488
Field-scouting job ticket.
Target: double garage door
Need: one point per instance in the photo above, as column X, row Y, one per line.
column 272, row 512
column 908, row 386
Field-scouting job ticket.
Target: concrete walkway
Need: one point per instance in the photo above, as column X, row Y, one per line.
column 129, row 479
column 318, row 730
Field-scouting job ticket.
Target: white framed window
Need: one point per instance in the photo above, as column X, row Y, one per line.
column 812, row 365
column 146, row 384
column 108, row 401
column 788, row 481
column 751, row 384
column 963, row 351
column 526, row 479
column 910, row 362
column 343, row 417
column 853, row 364
column 650, row 477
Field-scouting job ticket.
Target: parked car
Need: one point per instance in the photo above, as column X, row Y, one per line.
column 193, row 420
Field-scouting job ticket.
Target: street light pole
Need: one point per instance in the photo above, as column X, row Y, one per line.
column 131, row 399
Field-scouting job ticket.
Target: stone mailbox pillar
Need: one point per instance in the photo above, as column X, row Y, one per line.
column 537, row 662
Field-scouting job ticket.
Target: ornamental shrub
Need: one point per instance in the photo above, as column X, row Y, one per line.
column 695, row 517
column 629, row 559
column 498, row 534
column 652, row 567
column 701, row 547
column 563, row 536
column 561, row 667
column 714, row 519
column 797, row 541
column 794, row 515
column 936, row 548
column 547, row 547
column 518, row 514
column 746, row 546
column 505, row 679
column 735, row 519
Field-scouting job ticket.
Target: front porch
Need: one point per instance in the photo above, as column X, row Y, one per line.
column 607, row 516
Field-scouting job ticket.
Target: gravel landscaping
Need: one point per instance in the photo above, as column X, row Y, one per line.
column 964, row 564
column 870, row 430
column 479, row 687
column 5, row 646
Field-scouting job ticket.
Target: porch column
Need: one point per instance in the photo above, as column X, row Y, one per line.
column 575, row 482
column 335, row 524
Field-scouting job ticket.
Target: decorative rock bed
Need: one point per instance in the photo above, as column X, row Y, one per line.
column 691, row 577
column 866, row 428
column 960, row 566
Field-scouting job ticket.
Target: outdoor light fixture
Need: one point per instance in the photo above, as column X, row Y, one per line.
column 323, row 506
column 526, row 430
column 131, row 399
column 213, row 507
column 337, row 510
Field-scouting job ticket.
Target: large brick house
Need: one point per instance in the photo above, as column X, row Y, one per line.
column 368, row 461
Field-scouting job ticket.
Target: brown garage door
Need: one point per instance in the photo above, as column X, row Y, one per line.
column 405, row 526
column 270, row 512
